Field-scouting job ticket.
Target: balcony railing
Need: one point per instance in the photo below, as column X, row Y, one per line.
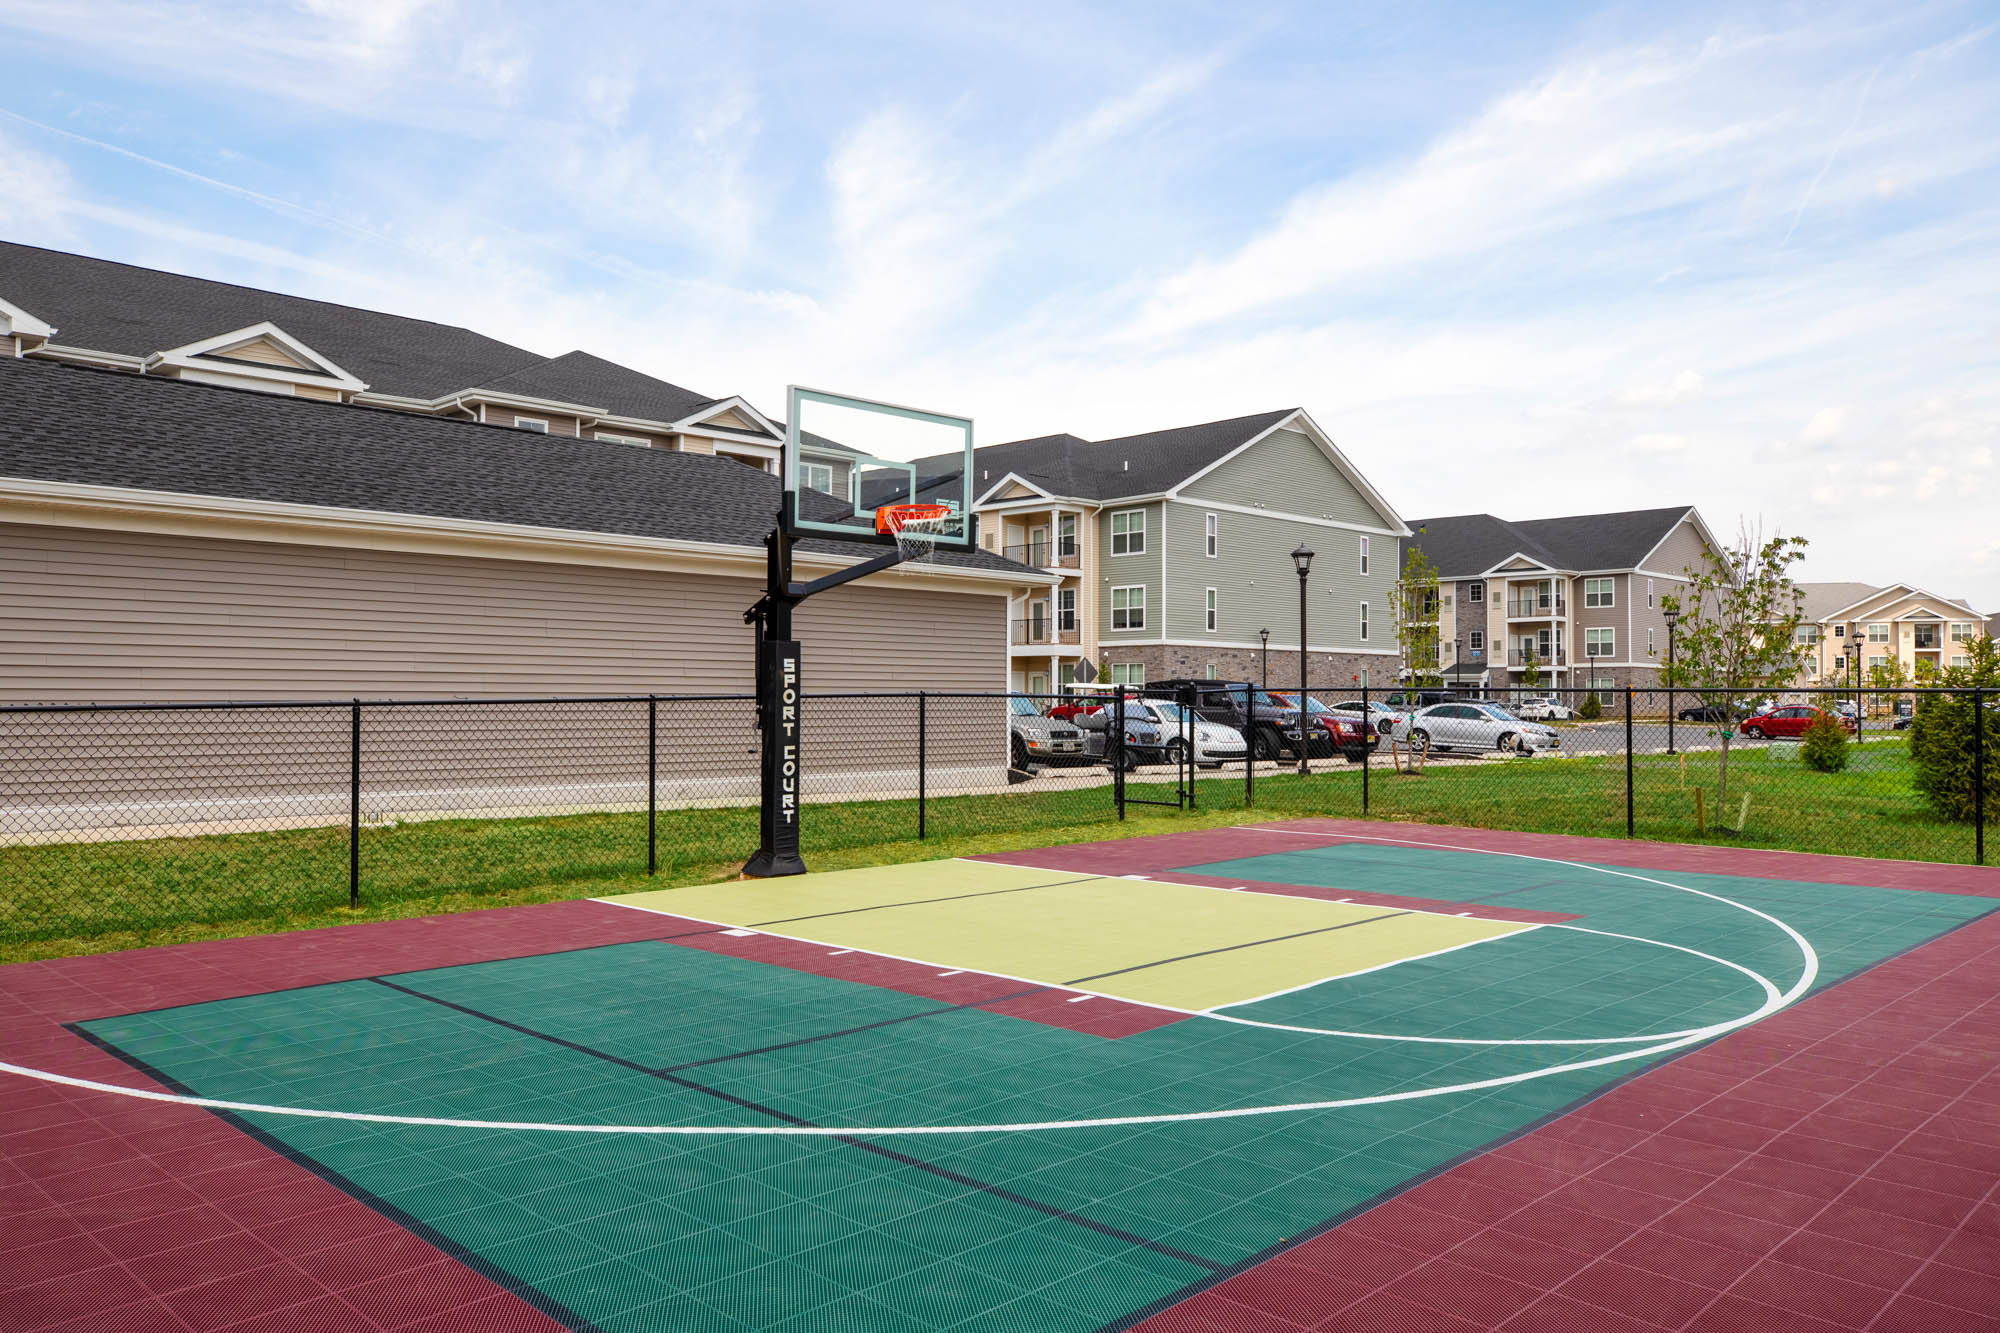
column 1042, row 629
column 1519, row 608
column 1521, row 657
column 1045, row 555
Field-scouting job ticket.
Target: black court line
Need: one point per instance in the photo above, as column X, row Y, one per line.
column 355, row 1190
column 786, row 1117
column 918, row 902
column 1228, row 948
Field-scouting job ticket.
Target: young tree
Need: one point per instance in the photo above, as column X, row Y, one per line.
column 1740, row 616
column 1414, row 604
column 1942, row 745
column 1531, row 670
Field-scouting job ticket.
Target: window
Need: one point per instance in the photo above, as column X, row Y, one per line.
column 1128, row 608
column 1840, row 664
column 1364, row 561
column 1475, row 592
column 1364, row 616
column 1806, row 634
column 1128, row 532
column 1960, row 660
column 636, row 441
column 1210, row 536
column 1478, row 642
column 1128, row 673
column 1961, row 633
column 1878, row 634
column 531, row 423
column 1649, row 593
column 1650, row 650
column 1066, row 610
column 1211, row 610
column 1600, row 641
column 1209, row 674
column 1600, row 592
column 1066, row 535
column 1605, row 689
column 817, row 477
column 1877, row 663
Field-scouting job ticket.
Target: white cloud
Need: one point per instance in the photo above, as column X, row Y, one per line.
column 1826, row 424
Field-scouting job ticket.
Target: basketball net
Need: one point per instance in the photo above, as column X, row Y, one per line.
column 917, row 528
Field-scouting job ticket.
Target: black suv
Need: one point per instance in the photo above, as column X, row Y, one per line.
column 1272, row 730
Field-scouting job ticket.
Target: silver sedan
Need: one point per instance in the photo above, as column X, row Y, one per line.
column 1473, row 726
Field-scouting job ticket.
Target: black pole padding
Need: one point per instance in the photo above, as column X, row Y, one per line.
column 354, row 806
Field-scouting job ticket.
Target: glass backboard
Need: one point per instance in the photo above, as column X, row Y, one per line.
column 847, row 459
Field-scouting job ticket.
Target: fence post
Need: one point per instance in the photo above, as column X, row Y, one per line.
column 1186, row 775
column 1979, row 777
column 1628, row 761
column 1368, row 721
column 1114, row 749
column 354, row 806
column 1249, row 745
column 652, row 784
column 923, row 763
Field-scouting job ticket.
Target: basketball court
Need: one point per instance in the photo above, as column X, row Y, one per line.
column 1311, row 1074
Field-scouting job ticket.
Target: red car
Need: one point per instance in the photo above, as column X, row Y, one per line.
column 1789, row 721
column 1351, row 736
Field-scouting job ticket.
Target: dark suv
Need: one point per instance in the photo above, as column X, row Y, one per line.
column 1271, row 730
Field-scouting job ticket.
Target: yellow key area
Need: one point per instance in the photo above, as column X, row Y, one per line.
column 1179, row 946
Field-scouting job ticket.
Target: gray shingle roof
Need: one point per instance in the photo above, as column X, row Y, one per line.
column 1462, row 545
column 97, row 427
column 579, row 377
column 1823, row 599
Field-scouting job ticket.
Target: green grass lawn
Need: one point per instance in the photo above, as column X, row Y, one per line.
column 92, row 897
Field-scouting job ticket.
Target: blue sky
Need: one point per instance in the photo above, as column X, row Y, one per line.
column 1535, row 262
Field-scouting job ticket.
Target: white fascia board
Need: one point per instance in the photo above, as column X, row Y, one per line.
column 184, row 357
column 1919, row 613
column 728, row 437
column 716, row 409
column 1319, row 437
column 1894, row 592
column 85, row 356
column 1700, row 527
column 518, row 402
column 17, row 321
column 1190, row 502
column 1012, row 478
column 32, row 500
column 1500, row 570
column 1032, row 505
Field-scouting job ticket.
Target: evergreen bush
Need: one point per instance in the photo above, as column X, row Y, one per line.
column 1942, row 744
column 1825, row 747
column 1590, row 708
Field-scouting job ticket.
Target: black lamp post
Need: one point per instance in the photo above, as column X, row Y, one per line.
column 1673, row 616
column 1302, row 560
column 1264, row 636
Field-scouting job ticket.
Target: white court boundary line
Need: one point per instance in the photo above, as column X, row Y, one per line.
column 1808, row 974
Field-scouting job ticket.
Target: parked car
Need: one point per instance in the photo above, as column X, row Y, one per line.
column 1271, row 728
column 1474, row 726
column 1382, row 718
column 1350, row 734
column 1791, row 720
column 1143, row 742
column 1408, row 701
column 1714, row 712
column 1033, row 738
column 1214, row 744
column 1544, row 708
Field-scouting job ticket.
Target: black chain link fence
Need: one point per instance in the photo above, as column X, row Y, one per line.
column 131, row 817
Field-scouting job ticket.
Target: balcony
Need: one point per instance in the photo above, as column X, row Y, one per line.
column 1521, row 657
column 1536, row 608
column 1045, row 555
column 1033, row 630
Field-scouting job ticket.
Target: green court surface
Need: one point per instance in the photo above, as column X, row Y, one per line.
column 1056, row 1227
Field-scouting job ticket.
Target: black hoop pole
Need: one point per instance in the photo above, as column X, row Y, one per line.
column 778, row 682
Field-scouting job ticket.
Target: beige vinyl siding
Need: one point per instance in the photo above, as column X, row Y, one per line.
column 1286, row 471
column 734, row 419
column 316, row 391
column 265, row 353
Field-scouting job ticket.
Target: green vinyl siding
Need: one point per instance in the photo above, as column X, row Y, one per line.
column 1141, row 570
column 1256, row 587
column 1286, row 471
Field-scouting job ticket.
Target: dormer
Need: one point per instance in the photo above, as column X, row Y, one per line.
column 21, row 332
column 262, row 357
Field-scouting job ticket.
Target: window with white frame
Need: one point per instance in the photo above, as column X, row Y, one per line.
column 531, row 423
column 1128, row 673
column 1650, row 650
column 1477, row 642
column 1649, row 593
column 1128, row 532
column 1211, row 536
column 1600, row 592
column 1209, row 601
column 817, row 477
column 1066, row 609
column 636, row 441
column 1877, row 663
column 1961, row 660
column 1878, row 634
column 1128, row 607
column 1364, row 617
column 1364, row 560
column 1605, row 688
column 1475, row 592
column 1600, row 641
column 1806, row 634
column 1209, row 671
column 1961, row 633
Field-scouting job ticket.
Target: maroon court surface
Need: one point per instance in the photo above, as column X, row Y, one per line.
column 1834, row 1166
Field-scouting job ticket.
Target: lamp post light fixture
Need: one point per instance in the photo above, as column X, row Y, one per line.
column 1673, row 617
column 1264, row 636
column 1302, row 560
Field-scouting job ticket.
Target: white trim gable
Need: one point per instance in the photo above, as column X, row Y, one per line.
column 1507, row 566
column 1919, row 613
column 191, row 357
column 1896, row 592
column 1301, row 421
column 1011, row 479
column 1700, row 528
column 21, row 324
column 736, row 403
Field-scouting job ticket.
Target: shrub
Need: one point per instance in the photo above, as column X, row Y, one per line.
column 1825, row 747
column 1942, row 740
column 1590, row 707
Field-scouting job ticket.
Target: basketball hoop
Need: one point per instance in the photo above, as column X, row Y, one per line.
column 916, row 527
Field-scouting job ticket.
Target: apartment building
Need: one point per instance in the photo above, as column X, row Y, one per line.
column 1897, row 630
column 1572, row 601
column 1171, row 553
